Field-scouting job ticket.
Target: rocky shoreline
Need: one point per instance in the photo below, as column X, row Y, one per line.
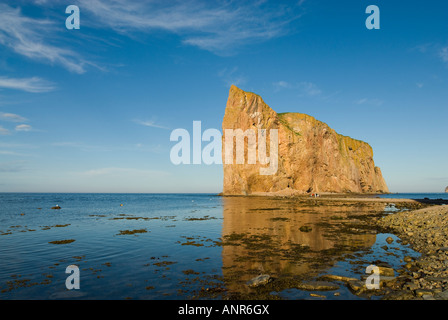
column 426, row 231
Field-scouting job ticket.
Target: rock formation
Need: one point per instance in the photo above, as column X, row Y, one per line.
column 446, row 189
column 312, row 157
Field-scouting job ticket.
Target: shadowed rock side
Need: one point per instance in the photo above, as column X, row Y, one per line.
column 312, row 157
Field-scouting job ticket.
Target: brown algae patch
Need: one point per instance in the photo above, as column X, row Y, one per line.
column 55, row 226
column 130, row 218
column 189, row 271
column 192, row 243
column 200, row 219
column 198, row 241
column 202, row 259
column 164, row 263
column 62, row 241
column 18, row 283
column 124, row 232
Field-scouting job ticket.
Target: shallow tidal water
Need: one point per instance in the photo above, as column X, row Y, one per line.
column 184, row 246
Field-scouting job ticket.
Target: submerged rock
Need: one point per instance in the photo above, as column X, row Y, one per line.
column 356, row 285
column 317, row 286
column 260, row 280
column 385, row 271
column 423, row 292
column 333, row 277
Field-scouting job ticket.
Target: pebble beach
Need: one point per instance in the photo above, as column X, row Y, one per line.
column 426, row 232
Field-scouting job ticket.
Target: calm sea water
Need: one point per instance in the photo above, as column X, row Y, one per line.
column 170, row 246
column 443, row 196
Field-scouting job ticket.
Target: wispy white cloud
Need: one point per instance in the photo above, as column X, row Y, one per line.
column 217, row 26
column 443, row 53
column 437, row 50
column 23, row 127
column 13, row 153
column 114, row 171
column 12, row 166
column 83, row 146
column 4, row 131
column 304, row 88
column 18, row 145
column 105, row 148
column 367, row 101
column 309, row 89
column 32, row 37
column 12, row 117
column 150, row 123
column 281, row 85
column 423, row 48
column 34, row 84
column 232, row 76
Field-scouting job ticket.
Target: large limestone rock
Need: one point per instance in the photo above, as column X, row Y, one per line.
column 446, row 189
column 312, row 157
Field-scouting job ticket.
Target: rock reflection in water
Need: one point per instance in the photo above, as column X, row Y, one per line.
column 263, row 236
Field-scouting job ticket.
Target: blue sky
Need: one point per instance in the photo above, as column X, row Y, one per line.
column 91, row 110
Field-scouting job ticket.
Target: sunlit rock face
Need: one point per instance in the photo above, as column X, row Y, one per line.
column 312, row 157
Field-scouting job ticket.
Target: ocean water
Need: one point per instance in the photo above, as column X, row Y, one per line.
column 179, row 246
column 443, row 196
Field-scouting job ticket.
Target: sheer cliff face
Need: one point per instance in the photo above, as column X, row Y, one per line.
column 312, row 157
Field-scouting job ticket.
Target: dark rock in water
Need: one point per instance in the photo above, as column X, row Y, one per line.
column 356, row 285
column 333, row 277
column 56, row 207
column 260, row 280
column 389, row 240
column 385, row 271
column 423, row 292
column 317, row 286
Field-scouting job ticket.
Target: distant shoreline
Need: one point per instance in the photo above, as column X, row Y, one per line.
column 345, row 197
